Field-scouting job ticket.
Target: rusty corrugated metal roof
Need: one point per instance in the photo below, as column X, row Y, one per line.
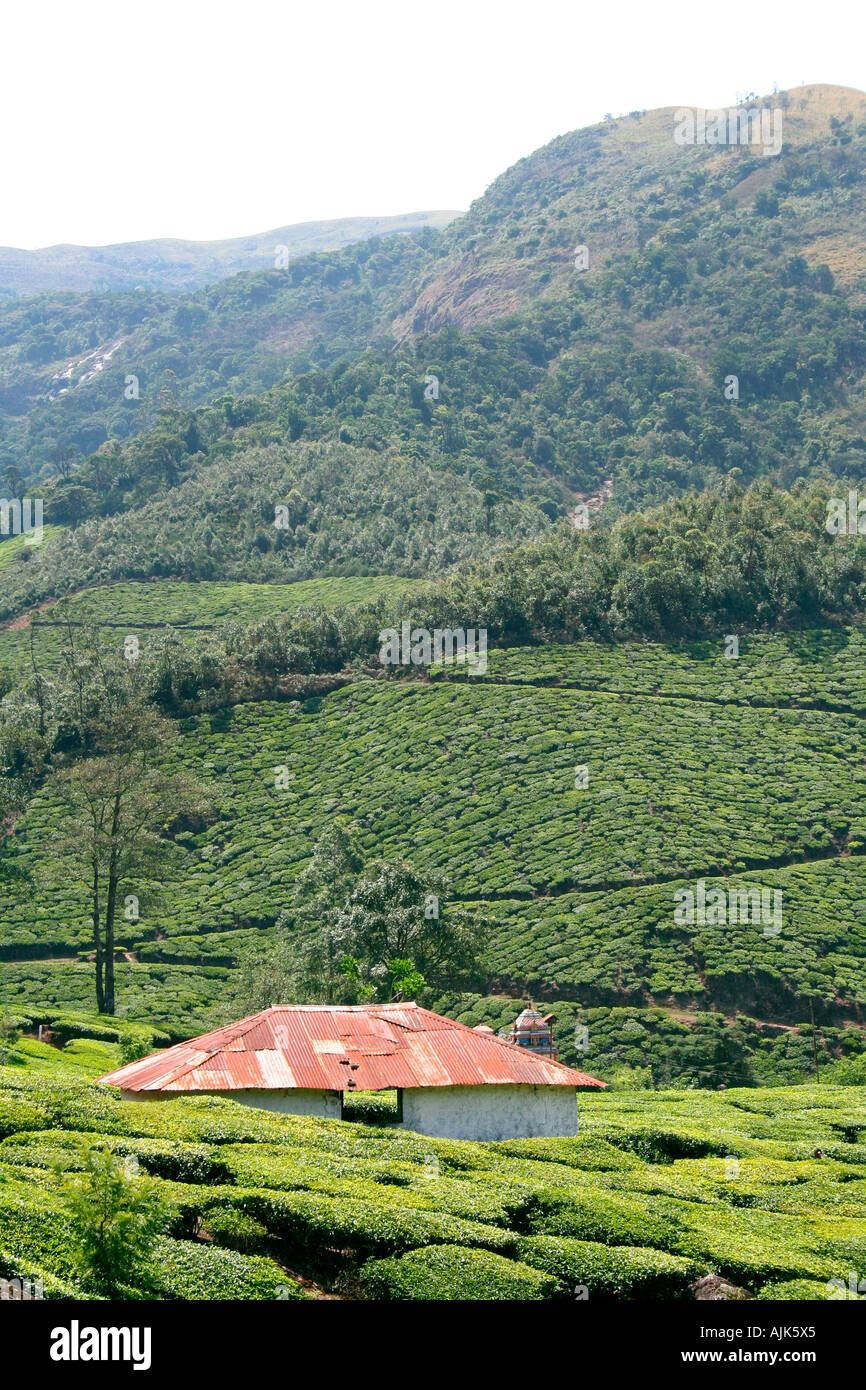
column 320, row 1047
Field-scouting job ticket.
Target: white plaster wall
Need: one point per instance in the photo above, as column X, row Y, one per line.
column 490, row 1112
column 288, row 1102
column 292, row 1102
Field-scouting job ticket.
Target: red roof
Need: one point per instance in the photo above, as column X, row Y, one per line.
column 323, row 1047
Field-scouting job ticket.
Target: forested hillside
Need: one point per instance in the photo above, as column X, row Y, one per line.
column 703, row 263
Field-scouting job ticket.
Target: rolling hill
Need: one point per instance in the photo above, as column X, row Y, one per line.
column 171, row 264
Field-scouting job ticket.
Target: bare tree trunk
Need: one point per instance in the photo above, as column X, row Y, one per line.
column 97, row 942
column 38, row 686
column 110, row 905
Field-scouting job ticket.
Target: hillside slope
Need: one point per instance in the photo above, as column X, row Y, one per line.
column 624, row 185
column 704, row 263
column 695, row 775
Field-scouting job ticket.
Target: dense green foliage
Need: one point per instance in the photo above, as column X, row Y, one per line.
column 508, row 826
column 451, row 1271
column 355, row 933
column 350, row 512
column 657, row 1190
column 475, row 783
column 116, row 1219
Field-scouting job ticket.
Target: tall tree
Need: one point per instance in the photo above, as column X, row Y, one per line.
column 396, row 923
column 354, row 934
column 121, row 799
column 305, row 960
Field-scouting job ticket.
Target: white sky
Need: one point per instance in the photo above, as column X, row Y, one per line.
column 122, row 120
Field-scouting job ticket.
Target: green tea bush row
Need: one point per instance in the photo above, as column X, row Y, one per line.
column 450, row 1272
column 181, row 1269
column 616, row 1271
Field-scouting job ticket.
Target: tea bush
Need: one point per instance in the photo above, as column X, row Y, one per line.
column 236, row 1230
column 762, row 1186
column 620, row 1271
column 183, row 1270
column 450, row 1272
column 794, row 1290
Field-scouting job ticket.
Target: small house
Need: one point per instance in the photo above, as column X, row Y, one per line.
column 303, row 1059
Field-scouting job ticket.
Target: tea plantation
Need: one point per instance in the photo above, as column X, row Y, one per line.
column 810, row 669
column 135, row 609
column 725, row 774
column 765, row 1187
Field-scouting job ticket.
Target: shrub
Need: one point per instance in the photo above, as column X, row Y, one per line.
column 611, row 1218
column 20, row 1114
column 8, row 1038
column 83, row 1025
column 51, row 1286
column 237, row 1230
column 176, row 1161
column 371, row 1107
column 658, row 1145
column 132, row 1049
column 588, row 1152
column 449, row 1272
column 35, row 1231
column 181, row 1269
column 794, row 1290
column 621, row 1271
column 850, row 1072
column 337, row 1198
column 751, row 1246
column 116, row 1217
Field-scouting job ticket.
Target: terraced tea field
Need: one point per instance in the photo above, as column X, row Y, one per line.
column 119, row 610
column 725, row 775
column 823, row 670
column 764, row 1187
column 478, row 784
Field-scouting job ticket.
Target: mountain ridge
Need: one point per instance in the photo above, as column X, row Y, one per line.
column 184, row 264
column 553, row 383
